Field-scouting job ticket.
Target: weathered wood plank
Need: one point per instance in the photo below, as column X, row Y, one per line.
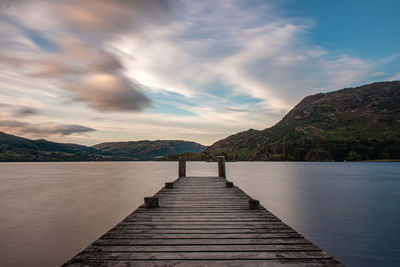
column 210, row 223
column 186, row 220
column 200, row 255
column 197, row 241
column 200, row 216
column 202, row 211
column 305, row 262
column 244, row 248
column 201, row 222
column 119, row 235
column 202, row 231
column 198, row 220
column 230, row 228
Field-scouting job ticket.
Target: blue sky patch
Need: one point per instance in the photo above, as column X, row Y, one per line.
column 41, row 41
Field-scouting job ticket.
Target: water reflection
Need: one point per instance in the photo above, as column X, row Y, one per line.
column 51, row 211
column 350, row 210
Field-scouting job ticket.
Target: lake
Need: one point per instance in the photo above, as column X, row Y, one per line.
column 51, row 211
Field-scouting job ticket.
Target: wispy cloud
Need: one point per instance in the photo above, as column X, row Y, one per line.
column 160, row 68
column 396, row 77
column 102, row 17
column 79, row 64
column 18, row 111
column 42, row 129
column 263, row 56
column 26, row 111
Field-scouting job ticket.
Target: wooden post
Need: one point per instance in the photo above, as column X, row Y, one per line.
column 253, row 204
column 221, row 166
column 169, row 185
column 151, row 202
column 182, row 167
column 229, row 184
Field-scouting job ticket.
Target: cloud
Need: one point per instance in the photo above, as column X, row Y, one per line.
column 111, row 17
column 207, row 68
column 235, row 110
column 89, row 74
column 184, row 47
column 251, row 50
column 396, row 77
column 42, row 129
column 74, row 59
column 5, row 105
column 26, row 111
column 19, row 111
column 80, row 63
column 109, row 92
column 95, row 77
column 14, row 61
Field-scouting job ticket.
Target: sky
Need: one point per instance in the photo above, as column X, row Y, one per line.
column 91, row 71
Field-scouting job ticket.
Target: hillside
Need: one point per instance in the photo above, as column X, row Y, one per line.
column 361, row 123
column 14, row 148
column 148, row 150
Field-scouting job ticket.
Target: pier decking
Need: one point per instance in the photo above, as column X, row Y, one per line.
column 202, row 221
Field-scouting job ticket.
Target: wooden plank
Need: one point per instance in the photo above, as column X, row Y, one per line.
column 202, row 231
column 205, row 225
column 197, row 241
column 305, row 262
column 203, row 228
column 204, row 221
column 200, row 216
column 201, row 212
column 201, row 222
column 117, row 235
column 209, row 222
column 199, row 255
column 244, row 248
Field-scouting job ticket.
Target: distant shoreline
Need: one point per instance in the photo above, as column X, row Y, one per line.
column 375, row 160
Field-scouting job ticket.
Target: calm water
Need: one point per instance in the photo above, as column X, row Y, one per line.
column 51, row 211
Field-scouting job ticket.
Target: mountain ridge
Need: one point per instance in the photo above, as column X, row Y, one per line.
column 146, row 149
column 14, row 148
column 355, row 123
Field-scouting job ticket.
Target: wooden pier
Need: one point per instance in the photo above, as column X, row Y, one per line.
column 202, row 221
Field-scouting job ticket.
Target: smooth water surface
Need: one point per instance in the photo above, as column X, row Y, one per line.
column 51, row 211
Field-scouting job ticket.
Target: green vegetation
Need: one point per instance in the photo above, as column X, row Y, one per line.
column 148, row 150
column 14, row 148
column 352, row 124
column 354, row 156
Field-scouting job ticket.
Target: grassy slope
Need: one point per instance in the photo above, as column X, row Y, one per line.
column 149, row 149
column 361, row 123
column 14, row 148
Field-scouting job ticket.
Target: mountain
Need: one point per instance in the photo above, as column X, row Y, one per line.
column 14, row 148
column 148, row 150
column 361, row 123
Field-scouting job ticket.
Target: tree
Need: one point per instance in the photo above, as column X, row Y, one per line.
column 353, row 156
